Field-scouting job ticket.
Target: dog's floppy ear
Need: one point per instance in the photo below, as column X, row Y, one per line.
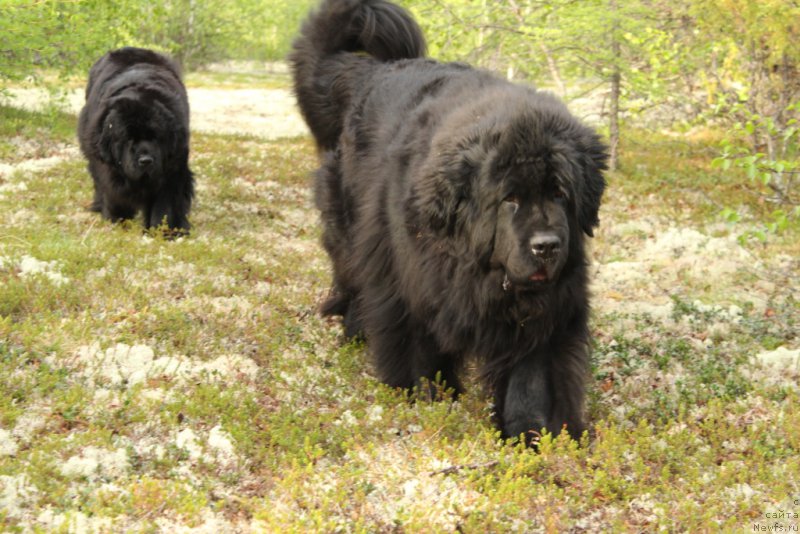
column 179, row 145
column 441, row 186
column 108, row 125
column 593, row 156
column 181, row 139
column 105, row 141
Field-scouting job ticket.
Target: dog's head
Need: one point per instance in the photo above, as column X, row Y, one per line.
column 520, row 188
column 532, row 227
column 140, row 138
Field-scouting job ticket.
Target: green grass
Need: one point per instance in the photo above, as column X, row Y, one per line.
column 250, row 412
column 25, row 134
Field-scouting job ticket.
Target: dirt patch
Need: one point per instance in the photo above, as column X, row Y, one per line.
column 59, row 154
column 266, row 113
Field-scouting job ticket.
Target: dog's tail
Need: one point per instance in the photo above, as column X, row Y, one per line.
column 337, row 48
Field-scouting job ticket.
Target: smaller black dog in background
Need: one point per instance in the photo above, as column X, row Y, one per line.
column 134, row 130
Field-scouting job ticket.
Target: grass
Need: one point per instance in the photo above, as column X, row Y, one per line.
column 149, row 385
column 26, row 135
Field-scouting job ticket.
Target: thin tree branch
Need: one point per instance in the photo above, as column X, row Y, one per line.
column 457, row 468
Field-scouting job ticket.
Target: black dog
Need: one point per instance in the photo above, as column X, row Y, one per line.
column 455, row 207
column 134, row 130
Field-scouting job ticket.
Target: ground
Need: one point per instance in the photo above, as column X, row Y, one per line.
column 267, row 113
column 189, row 385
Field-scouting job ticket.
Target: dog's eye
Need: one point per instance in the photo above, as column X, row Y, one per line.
column 512, row 200
column 560, row 194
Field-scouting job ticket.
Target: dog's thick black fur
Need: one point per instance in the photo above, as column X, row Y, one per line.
column 134, row 130
column 455, row 208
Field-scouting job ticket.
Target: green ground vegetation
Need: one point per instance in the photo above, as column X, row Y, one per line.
column 149, row 385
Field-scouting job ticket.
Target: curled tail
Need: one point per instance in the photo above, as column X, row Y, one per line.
column 326, row 67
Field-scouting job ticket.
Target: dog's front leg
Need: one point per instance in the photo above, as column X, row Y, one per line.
column 546, row 389
column 170, row 207
column 526, row 400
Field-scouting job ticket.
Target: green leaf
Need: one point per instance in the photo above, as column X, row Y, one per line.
column 718, row 162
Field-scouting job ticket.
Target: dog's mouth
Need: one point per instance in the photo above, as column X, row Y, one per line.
column 142, row 176
column 540, row 276
column 540, row 279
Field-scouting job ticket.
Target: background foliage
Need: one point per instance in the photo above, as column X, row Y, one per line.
column 69, row 35
column 726, row 63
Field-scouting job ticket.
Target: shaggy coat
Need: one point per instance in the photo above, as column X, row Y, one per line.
column 455, row 207
column 134, row 131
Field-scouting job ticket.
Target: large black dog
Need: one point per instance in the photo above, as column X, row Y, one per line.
column 134, row 130
column 455, row 207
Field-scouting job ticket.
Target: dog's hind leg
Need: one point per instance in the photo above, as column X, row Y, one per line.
column 407, row 356
column 434, row 370
column 116, row 211
column 97, row 202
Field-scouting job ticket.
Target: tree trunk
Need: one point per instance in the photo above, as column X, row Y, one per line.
column 554, row 72
column 616, row 80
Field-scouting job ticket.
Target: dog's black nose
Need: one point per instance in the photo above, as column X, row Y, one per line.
column 145, row 161
column 545, row 245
